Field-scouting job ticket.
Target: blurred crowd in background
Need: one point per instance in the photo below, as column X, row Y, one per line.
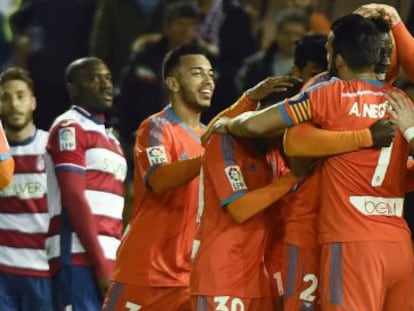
column 247, row 40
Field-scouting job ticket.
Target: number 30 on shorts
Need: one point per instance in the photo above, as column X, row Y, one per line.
column 224, row 303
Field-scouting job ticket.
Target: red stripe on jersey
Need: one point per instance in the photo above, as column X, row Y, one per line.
column 79, row 259
column 105, row 182
column 25, row 272
column 97, row 140
column 29, row 164
column 54, row 225
column 109, row 226
column 105, row 226
column 22, row 240
column 14, row 205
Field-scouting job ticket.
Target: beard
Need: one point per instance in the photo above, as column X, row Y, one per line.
column 191, row 100
column 17, row 126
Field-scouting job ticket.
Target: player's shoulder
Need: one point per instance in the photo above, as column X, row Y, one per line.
column 157, row 120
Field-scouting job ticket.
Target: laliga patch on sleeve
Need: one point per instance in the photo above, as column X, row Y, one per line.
column 156, row 155
column 235, row 177
column 67, row 139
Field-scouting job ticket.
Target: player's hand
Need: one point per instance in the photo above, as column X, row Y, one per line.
column 221, row 126
column 401, row 110
column 382, row 133
column 104, row 283
column 387, row 12
column 271, row 85
column 303, row 167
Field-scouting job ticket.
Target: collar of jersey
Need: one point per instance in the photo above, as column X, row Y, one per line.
column 176, row 120
column 372, row 81
column 88, row 115
column 26, row 141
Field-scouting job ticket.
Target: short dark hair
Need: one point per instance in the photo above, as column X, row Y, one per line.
column 172, row 59
column 74, row 67
column 17, row 73
column 181, row 9
column 357, row 40
column 311, row 48
column 292, row 15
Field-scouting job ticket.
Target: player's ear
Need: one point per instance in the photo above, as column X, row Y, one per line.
column 172, row 84
column 34, row 103
column 339, row 61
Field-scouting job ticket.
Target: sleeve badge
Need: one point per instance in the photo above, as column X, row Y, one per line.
column 235, row 177
column 156, row 155
column 67, row 139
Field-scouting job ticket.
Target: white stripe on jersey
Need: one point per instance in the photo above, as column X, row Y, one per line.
column 105, row 203
column 26, row 186
column 106, row 161
column 25, row 258
column 26, row 223
column 108, row 244
column 359, row 93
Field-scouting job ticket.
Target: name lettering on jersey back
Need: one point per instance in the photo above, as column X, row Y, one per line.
column 26, row 190
column 378, row 206
column 366, row 110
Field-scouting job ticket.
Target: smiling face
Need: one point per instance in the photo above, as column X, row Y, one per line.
column 92, row 86
column 195, row 79
column 17, row 104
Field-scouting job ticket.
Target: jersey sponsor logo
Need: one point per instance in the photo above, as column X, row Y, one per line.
column 25, row 190
column 67, row 139
column 156, row 155
column 235, row 177
column 372, row 111
column 378, row 206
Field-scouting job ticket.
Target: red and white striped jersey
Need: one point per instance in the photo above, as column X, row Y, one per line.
column 24, row 217
column 80, row 142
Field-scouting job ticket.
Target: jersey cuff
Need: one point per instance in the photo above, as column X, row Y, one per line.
column 232, row 198
column 285, row 115
column 4, row 156
column 151, row 171
column 60, row 168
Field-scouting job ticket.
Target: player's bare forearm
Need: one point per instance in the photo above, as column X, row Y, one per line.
column 257, row 123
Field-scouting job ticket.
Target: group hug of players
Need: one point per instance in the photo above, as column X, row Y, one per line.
column 271, row 233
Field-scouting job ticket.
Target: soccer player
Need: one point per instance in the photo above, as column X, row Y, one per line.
column 403, row 39
column 86, row 169
column 24, row 220
column 241, row 179
column 361, row 205
column 153, row 261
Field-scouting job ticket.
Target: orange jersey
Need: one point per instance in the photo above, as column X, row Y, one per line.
column 229, row 257
column 361, row 192
column 302, row 217
column 156, row 249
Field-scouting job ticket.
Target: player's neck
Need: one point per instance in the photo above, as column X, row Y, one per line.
column 187, row 115
column 20, row 135
column 348, row 75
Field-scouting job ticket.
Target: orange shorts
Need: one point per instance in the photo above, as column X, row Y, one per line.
column 229, row 303
column 125, row 297
column 301, row 277
column 367, row 276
